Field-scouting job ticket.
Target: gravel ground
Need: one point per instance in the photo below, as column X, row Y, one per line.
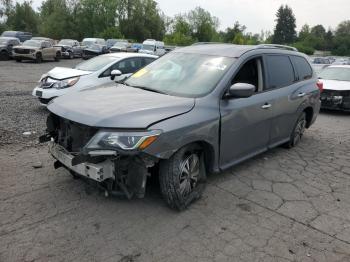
column 283, row 205
column 20, row 111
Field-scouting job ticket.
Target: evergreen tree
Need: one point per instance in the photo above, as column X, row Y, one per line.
column 284, row 32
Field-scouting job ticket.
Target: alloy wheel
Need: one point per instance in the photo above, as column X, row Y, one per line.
column 299, row 131
column 189, row 174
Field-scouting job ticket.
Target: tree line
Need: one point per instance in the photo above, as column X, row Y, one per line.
column 138, row 20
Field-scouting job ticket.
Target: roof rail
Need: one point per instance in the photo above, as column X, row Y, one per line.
column 286, row 47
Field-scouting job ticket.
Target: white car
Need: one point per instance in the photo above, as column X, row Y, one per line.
column 336, row 87
column 93, row 72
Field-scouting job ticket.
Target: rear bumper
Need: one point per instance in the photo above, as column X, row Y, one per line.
column 98, row 172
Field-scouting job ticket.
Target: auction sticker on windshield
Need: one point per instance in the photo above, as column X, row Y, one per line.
column 140, row 73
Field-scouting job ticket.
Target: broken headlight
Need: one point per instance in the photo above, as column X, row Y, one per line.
column 65, row 83
column 122, row 140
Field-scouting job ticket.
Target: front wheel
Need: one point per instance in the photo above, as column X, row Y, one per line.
column 58, row 57
column 4, row 55
column 298, row 131
column 38, row 58
column 182, row 177
column 71, row 55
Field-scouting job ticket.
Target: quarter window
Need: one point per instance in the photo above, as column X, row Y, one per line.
column 302, row 67
column 280, row 71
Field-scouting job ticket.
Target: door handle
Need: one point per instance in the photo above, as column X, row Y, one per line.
column 266, row 106
column 301, row 94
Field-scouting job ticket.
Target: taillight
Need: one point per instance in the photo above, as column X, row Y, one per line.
column 320, row 85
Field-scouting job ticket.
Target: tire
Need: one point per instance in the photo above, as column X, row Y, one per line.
column 18, row 60
column 38, row 58
column 182, row 177
column 57, row 57
column 4, row 56
column 298, row 131
column 71, row 55
column 74, row 175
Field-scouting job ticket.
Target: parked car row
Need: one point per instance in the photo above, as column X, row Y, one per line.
column 70, row 48
column 196, row 110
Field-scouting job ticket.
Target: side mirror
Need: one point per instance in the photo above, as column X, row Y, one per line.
column 115, row 73
column 241, row 90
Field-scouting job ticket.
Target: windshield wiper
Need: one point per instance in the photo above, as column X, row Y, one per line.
column 149, row 89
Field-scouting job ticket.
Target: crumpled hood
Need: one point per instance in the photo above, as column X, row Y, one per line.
column 119, row 106
column 60, row 73
column 335, row 85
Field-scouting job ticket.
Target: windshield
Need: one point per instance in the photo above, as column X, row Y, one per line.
column 182, row 74
column 66, row 42
column 148, row 47
column 96, row 63
column 335, row 73
column 121, row 44
column 3, row 41
column 32, row 43
column 88, row 43
column 8, row 33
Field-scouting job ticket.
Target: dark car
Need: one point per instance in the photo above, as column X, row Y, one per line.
column 70, row 48
column 196, row 110
column 22, row 36
column 6, row 45
column 93, row 47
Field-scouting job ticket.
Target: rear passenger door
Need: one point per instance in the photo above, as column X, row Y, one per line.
column 286, row 92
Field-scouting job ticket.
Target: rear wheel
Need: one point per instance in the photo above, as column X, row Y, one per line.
column 38, row 58
column 298, row 131
column 182, row 177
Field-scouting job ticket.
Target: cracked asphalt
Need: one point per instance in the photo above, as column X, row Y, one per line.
column 283, row 205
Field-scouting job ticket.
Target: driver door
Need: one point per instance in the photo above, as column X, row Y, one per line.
column 245, row 122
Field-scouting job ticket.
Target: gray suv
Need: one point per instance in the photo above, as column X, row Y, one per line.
column 196, row 110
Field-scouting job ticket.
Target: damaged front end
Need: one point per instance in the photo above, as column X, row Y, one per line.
column 111, row 158
column 335, row 100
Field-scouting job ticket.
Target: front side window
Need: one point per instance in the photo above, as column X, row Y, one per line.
column 250, row 73
column 182, row 74
column 302, row 67
column 280, row 71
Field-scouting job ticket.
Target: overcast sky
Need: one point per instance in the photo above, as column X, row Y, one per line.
column 259, row 15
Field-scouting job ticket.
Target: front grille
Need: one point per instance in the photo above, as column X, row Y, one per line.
column 70, row 135
column 22, row 51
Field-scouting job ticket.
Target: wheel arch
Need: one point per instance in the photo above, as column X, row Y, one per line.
column 309, row 113
column 208, row 150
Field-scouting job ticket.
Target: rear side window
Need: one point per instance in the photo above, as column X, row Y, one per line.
column 302, row 67
column 280, row 71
